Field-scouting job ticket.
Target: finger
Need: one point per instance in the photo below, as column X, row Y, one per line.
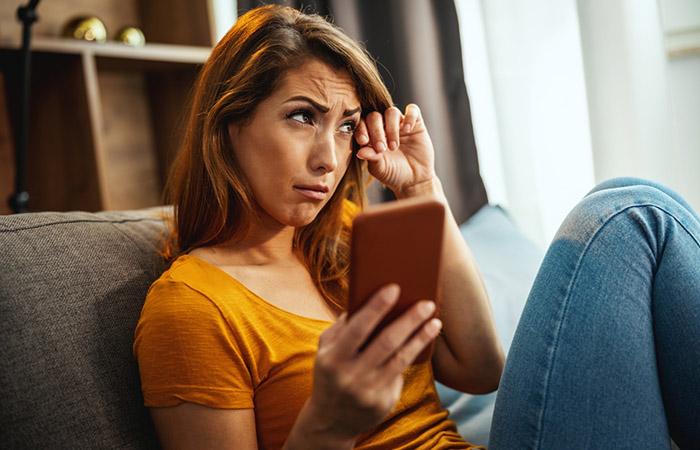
column 361, row 135
column 411, row 117
column 392, row 117
column 369, row 154
column 395, row 335
column 405, row 356
column 360, row 325
column 375, row 126
column 330, row 333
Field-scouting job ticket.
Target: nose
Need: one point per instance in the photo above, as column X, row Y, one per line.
column 323, row 156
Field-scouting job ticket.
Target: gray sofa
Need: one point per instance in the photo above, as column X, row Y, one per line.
column 71, row 290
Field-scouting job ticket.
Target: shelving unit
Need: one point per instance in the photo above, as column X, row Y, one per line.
column 107, row 118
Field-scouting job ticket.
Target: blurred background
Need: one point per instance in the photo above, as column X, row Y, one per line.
column 565, row 94
column 529, row 102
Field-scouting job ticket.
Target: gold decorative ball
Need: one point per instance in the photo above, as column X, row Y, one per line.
column 86, row 28
column 131, row 36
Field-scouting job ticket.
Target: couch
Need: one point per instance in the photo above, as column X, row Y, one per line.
column 71, row 290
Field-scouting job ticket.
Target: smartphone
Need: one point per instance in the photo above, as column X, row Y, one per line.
column 397, row 242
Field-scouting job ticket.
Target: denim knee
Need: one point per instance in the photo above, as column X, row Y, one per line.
column 628, row 182
column 619, row 182
column 612, row 198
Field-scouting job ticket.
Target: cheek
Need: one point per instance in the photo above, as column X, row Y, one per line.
column 265, row 160
column 346, row 159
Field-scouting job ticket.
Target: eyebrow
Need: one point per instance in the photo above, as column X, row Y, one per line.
column 323, row 109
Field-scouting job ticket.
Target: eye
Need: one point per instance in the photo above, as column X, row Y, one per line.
column 348, row 127
column 301, row 116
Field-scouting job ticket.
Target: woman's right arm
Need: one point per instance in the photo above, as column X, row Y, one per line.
column 192, row 426
column 352, row 392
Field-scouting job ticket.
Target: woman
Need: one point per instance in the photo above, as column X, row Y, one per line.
column 239, row 343
column 242, row 342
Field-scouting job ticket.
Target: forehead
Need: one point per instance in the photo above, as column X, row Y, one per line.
column 321, row 81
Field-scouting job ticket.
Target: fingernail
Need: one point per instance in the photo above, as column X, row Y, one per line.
column 407, row 128
column 362, row 138
column 434, row 326
column 392, row 292
column 393, row 145
column 381, row 146
column 428, row 308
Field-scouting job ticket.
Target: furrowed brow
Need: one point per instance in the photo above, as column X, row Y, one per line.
column 322, row 108
column 350, row 112
column 315, row 104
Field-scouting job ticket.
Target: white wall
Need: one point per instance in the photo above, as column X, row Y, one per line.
column 683, row 76
column 567, row 93
column 644, row 106
column 680, row 20
column 524, row 74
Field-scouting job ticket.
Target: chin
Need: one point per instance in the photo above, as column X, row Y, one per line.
column 301, row 220
column 299, row 216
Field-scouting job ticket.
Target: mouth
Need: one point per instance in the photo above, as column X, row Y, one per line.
column 313, row 192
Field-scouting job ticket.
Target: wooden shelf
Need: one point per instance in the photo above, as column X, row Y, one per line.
column 168, row 53
column 106, row 118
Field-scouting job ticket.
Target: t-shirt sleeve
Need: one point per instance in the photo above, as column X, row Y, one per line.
column 187, row 352
column 350, row 210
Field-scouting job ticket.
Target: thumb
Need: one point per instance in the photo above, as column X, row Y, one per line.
column 368, row 154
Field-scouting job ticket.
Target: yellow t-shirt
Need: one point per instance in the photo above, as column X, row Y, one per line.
column 204, row 338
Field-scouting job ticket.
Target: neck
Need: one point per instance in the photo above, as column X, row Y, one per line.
column 266, row 244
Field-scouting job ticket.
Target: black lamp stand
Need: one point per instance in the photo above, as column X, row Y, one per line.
column 19, row 201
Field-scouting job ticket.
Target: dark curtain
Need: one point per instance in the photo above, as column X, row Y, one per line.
column 417, row 46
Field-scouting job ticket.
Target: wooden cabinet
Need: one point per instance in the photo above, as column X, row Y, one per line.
column 107, row 118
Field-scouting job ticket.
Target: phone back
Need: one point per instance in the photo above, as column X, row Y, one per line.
column 397, row 242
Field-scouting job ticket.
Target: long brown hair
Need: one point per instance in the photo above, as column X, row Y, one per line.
column 212, row 199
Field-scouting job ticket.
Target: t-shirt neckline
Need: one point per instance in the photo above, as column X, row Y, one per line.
column 207, row 264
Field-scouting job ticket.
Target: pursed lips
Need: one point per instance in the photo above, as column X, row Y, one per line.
column 313, row 192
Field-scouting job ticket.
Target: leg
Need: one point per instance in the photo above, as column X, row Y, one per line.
column 630, row 182
column 607, row 352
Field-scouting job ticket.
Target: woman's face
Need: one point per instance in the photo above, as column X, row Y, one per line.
column 297, row 145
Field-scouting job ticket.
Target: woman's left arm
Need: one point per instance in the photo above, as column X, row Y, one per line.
column 468, row 356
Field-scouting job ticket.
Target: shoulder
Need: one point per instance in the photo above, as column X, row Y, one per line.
column 191, row 278
column 168, row 295
column 173, row 308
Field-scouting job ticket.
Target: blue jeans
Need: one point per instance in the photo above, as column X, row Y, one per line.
column 607, row 352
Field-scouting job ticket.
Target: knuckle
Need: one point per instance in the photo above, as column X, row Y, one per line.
column 393, row 111
column 325, row 364
column 373, row 116
column 365, row 399
column 403, row 358
column 387, row 343
column 356, row 327
column 344, row 384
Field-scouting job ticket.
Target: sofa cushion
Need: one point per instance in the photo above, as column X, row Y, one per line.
column 71, row 290
column 508, row 262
